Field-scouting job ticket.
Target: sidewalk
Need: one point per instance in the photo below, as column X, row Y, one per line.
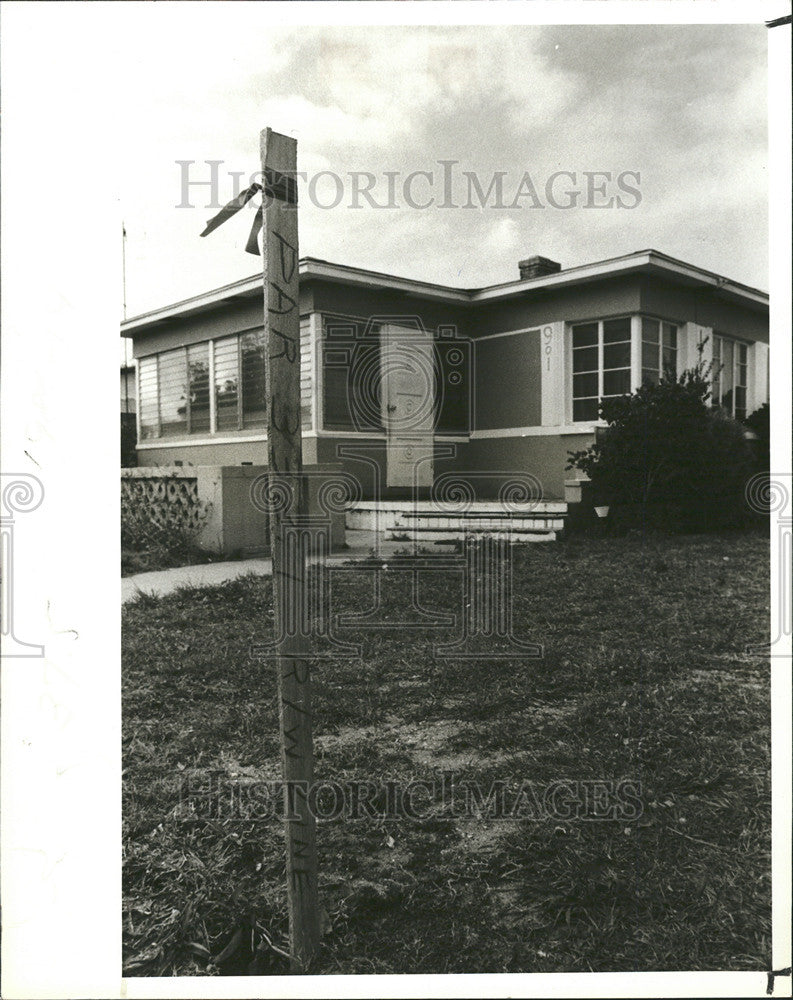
column 165, row 581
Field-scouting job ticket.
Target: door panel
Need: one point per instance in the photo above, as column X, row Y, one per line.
column 408, row 399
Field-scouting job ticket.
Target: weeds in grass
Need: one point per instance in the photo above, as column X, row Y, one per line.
column 643, row 678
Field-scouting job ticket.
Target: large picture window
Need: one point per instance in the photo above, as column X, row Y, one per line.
column 730, row 375
column 611, row 357
column 181, row 391
column 601, row 364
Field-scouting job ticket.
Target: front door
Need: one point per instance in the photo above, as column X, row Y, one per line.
column 408, row 401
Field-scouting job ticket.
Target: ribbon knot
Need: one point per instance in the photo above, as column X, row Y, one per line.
column 276, row 185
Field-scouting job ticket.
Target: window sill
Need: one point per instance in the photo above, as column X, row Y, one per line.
column 186, row 442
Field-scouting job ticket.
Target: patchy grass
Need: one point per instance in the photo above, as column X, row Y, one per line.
column 644, row 678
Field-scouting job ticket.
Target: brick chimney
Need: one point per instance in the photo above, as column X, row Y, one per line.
column 537, row 267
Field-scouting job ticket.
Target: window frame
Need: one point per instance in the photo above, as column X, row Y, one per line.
column 630, row 367
column 238, row 401
column 142, row 369
column 190, row 389
column 737, row 343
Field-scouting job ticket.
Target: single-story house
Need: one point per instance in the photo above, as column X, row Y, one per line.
column 400, row 374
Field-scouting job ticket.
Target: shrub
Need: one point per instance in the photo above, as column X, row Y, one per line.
column 667, row 459
column 759, row 423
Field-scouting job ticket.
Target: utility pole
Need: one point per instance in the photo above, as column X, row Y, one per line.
column 289, row 534
column 124, row 269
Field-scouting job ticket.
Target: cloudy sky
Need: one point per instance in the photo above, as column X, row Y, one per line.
column 683, row 106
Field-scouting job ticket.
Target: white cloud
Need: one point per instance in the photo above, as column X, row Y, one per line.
column 684, row 106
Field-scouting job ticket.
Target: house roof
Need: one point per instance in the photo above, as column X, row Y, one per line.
column 650, row 262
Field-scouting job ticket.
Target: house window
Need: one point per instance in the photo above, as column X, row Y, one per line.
column 198, row 413
column 254, row 406
column 601, row 364
column 227, row 383
column 176, row 395
column 172, row 382
column 659, row 349
column 730, row 375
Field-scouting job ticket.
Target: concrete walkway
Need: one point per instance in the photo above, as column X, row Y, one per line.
column 165, row 581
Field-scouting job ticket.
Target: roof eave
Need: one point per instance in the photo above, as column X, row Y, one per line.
column 646, row 261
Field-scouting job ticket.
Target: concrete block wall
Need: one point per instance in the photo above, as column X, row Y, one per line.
column 236, row 524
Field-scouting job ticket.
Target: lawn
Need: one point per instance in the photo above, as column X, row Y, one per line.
column 644, row 679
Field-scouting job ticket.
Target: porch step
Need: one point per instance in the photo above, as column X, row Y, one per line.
column 384, row 515
column 442, row 535
column 478, row 523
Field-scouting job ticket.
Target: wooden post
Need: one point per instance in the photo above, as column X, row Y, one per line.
column 288, row 511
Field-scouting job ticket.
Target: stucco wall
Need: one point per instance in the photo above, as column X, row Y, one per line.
column 544, row 456
column 509, row 368
column 507, row 377
column 349, row 301
column 609, row 297
column 365, row 458
column 677, row 303
column 205, row 454
column 222, row 320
